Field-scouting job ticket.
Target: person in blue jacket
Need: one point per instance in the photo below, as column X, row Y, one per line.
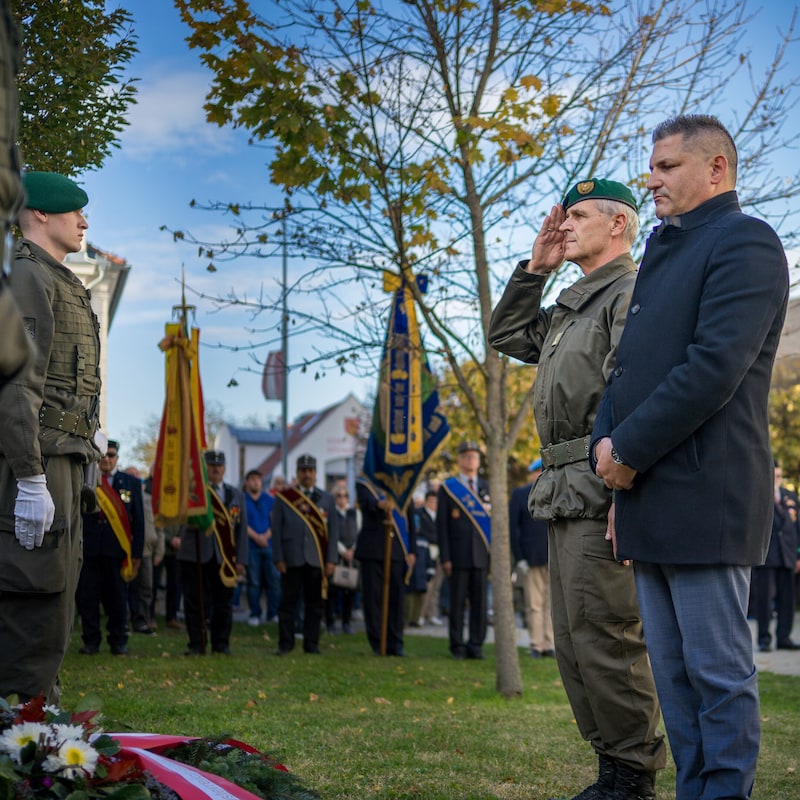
column 681, row 435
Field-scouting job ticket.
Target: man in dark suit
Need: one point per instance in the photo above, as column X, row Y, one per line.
column 210, row 562
column 529, row 548
column 370, row 554
column 305, row 534
column 113, row 539
column 681, row 435
column 428, row 531
column 775, row 579
column 464, row 528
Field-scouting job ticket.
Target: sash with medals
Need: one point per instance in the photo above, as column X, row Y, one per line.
column 225, row 533
column 399, row 522
column 472, row 507
column 117, row 516
column 315, row 520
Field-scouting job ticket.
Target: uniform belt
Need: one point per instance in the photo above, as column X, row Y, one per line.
column 557, row 455
column 76, row 424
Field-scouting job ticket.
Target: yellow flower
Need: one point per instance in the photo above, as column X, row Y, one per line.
column 73, row 757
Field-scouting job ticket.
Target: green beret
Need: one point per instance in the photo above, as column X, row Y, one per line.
column 599, row 189
column 53, row 193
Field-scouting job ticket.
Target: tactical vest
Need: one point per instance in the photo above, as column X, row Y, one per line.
column 74, row 365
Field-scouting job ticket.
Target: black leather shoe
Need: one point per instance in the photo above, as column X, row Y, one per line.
column 282, row 652
column 476, row 655
column 194, row 651
column 145, row 631
column 765, row 647
column 119, row 651
column 312, row 650
column 788, row 644
column 89, row 650
column 224, row 651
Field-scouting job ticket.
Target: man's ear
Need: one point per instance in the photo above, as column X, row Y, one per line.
column 719, row 168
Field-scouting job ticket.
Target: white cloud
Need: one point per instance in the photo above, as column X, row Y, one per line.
column 169, row 117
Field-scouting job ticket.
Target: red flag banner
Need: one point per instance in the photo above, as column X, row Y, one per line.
column 273, row 379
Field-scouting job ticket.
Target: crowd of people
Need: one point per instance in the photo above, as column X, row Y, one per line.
column 639, row 556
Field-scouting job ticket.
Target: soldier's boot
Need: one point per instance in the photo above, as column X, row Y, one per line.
column 603, row 787
column 631, row 784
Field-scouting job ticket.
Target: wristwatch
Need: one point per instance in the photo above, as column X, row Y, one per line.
column 616, row 457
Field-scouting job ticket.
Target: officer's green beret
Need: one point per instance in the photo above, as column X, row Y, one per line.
column 53, row 193
column 599, row 189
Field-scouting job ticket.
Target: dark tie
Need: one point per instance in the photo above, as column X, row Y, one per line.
column 471, row 485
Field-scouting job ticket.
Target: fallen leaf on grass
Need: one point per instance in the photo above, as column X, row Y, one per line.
column 450, row 700
column 382, row 701
column 312, row 698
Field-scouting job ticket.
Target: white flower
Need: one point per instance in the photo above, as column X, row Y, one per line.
column 65, row 732
column 17, row 736
column 73, row 757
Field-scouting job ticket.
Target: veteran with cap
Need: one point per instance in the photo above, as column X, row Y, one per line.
column 597, row 626
column 305, row 534
column 211, row 561
column 48, row 421
column 463, row 526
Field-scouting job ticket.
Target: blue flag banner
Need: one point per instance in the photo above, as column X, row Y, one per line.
column 407, row 425
column 399, row 522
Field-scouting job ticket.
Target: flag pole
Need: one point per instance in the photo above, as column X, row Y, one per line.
column 387, row 565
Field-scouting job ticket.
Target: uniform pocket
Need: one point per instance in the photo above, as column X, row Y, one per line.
column 39, row 571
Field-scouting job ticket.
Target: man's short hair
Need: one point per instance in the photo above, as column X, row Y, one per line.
column 707, row 131
column 254, row 472
column 612, row 207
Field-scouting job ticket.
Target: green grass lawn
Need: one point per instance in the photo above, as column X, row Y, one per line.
column 351, row 725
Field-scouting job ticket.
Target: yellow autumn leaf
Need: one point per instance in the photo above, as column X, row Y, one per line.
column 312, row 698
column 530, row 81
column 382, row 701
column 450, row 700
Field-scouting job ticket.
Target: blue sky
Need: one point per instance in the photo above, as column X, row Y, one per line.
column 170, row 156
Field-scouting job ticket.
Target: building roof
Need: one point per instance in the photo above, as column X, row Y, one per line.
column 268, row 436
column 298, row 431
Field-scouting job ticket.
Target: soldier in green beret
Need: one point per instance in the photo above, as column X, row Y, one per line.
column 48, row 422
column 597, row 624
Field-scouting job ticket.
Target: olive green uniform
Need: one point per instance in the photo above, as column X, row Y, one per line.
column 597, row 626
column 48, row 418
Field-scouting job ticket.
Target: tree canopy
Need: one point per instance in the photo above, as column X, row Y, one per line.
column 428, row 135
column 73, row 94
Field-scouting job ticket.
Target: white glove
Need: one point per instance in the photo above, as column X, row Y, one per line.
column 101, row 441
column 33, row 512
column 522, row 567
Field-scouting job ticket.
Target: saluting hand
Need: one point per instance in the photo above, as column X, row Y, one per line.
column 547, row 254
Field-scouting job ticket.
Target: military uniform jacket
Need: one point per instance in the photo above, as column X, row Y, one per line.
column 209, row 547
column 574, row 342
column 99, row 538
column 292, row 539
column 686, row 405
column 785, row 538
column 459, row 541
column 64, row 375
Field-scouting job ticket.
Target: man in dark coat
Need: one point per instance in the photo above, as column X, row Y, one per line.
column 305, row 534
column 370, row 554
column 529, row 549
column 113, row 540
column 210, row 562
column 681, row 435
column 775, row 579
column 464, row 528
